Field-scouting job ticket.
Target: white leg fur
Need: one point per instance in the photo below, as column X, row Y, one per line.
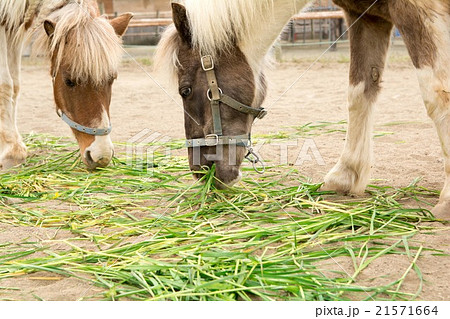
column 435, row 86
column 351, row 174
column 12, row 150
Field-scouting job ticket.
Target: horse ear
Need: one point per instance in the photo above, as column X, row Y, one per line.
column 49, row 27
column 120, row 24
column 181, row 22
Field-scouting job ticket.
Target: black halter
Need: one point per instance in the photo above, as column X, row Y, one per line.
column 216, row 96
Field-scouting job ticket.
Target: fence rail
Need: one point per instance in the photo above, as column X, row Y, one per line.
column 155, row 22
column 319, row 15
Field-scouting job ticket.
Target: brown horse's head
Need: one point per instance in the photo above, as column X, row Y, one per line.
column 233, row 77
column 85, row 51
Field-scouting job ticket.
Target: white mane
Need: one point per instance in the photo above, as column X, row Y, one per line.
column 215, row 24
column 166, row 56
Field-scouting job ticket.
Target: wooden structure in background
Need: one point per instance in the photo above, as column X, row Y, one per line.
column 154, row 22
column 106, row 6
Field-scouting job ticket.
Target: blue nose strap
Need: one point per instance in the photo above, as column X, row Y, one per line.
column 84, row 129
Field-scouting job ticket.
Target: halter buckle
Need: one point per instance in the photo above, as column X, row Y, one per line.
column 207, row 63
column 262, row 114
column 212, row 137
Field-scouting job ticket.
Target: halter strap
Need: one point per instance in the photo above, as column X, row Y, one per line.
column 259, row 113
column 213, row 92
column 216, row 96
column 82, row 128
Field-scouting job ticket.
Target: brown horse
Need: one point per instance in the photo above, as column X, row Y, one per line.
column 84, row 50
column 217, row 50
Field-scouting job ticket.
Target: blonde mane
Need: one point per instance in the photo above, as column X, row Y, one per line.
column 82, row 40
column 216, row 24
column 166, row 56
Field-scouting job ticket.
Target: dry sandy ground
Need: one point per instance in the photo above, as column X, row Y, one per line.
column 411, row 149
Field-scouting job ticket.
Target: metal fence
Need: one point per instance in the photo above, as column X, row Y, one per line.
column 312, row 28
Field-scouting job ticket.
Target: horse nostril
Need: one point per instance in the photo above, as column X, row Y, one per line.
column 88, row 157
column 92, row 162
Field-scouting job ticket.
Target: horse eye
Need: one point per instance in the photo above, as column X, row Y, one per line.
column 185, row 92
column 70, row 83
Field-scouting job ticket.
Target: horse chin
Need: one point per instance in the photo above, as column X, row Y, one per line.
column 222, row 185
column 225, row 177
column 92, row 165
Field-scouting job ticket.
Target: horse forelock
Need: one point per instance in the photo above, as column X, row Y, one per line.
column 84, row 42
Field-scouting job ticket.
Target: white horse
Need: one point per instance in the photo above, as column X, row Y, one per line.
column 217, row 50
column 84, row 50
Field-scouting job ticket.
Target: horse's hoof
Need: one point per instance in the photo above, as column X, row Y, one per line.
column 344, row 180
column 16, row 156
column 337, row 181
column 334, row 187
column 442, row 211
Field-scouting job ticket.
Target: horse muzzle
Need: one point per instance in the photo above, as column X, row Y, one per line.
column 99, row 153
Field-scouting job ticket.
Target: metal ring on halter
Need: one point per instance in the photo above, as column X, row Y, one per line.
column 254, row 159
column 209, row 94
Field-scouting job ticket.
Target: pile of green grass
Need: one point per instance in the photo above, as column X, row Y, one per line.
column 164, row 236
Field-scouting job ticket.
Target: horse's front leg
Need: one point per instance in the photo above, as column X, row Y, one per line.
column 12, row 149
column 369, row 42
